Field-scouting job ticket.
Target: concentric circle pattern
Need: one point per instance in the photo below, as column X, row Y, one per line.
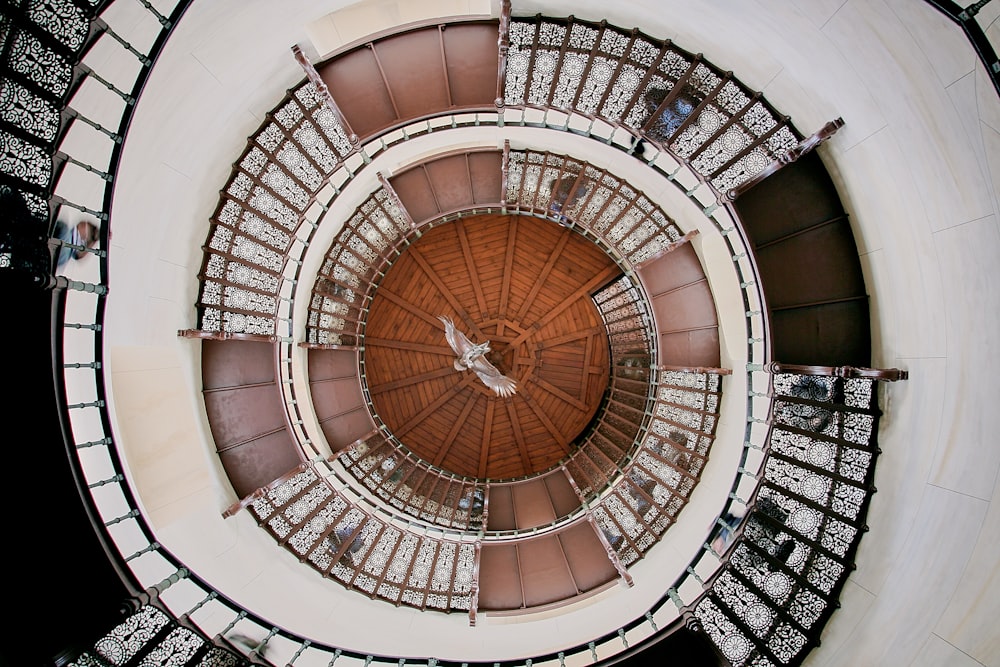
column 523, row 284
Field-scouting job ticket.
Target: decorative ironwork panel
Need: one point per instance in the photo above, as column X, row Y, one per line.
column 609, row 446
column 752, row 161
column 375, row 564
column 218, row 657
column 314, row 521
column 734, row 643
column 684, row 104
column 63, row 20
column 781, row 587
column 587, row 478
column 131, row 637
column 441, row 576
column 324, row 118
column 391, row 587
column 177, row 648
column 289, row 154
column 605, row 516
column 591, row 198
column 582, row 39
column 24, row 161
column 366, row 242
column 465, row 569
column 665, row 469
column 37, row 63
column 600, row 78
column 797, row 541
column 143, row 635
column 420, row 572
column 22, row 108
column 352, row 530
column 286, row 163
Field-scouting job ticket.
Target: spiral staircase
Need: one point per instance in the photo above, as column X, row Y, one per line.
column 689, row 459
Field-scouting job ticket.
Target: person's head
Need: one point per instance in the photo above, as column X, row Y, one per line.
column 89, row 232
column 654, row 96
column 561, row 188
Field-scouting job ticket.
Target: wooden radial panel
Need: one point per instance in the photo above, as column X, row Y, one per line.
column 522, row 283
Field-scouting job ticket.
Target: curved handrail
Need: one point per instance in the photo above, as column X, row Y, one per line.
column 82, row 29
column 964, row 17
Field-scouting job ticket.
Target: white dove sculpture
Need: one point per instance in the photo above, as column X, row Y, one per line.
column 473, row 357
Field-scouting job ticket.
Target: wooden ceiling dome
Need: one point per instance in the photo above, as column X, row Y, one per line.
column 523, row 284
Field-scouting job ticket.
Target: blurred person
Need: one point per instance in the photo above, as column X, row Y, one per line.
column 84, row 235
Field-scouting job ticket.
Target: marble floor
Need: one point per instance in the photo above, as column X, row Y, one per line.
column 918, row 167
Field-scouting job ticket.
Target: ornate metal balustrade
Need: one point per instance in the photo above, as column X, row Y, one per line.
column 656, row 485
column 392, row 474
column 341, row 536
column 370, row 239
column 43, row 49
column 261, row 210
column 789, row 556
column 150, row 636
column 598, row 204
column 47, row 90
column 659, row 92
column 332, row 531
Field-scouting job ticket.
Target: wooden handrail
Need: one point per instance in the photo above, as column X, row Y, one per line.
column 788, row 157
column 259, row 493
column 228, row 335
column 880, row 374
column 324, row 93
column 503, row 45
column 696, row 369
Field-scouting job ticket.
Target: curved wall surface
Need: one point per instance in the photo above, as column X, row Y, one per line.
column 916, row 166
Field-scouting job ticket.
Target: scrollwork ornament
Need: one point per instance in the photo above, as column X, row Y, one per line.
column 64, row 20
column 39, row 64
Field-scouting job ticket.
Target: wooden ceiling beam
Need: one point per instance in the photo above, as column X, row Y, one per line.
column 442, row 350
column 543, row 275
column 560, row 394
column 508, row 273
column 430, row 408
column 570, row 337
column 412, row 380
column 448, row 295
column 409, row 307
column 585, row 289
column 455, row 429
column 553, row 430
column 470, row 266
column 588, row 355
column 522, row 447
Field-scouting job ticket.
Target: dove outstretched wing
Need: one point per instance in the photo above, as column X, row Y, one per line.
column 458, row 341
column 501, row 384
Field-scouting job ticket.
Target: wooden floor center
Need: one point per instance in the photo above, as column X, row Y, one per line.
column 523, row 284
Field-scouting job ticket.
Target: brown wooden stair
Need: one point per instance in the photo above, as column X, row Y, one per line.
column 809, row 267
column 244, row 406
